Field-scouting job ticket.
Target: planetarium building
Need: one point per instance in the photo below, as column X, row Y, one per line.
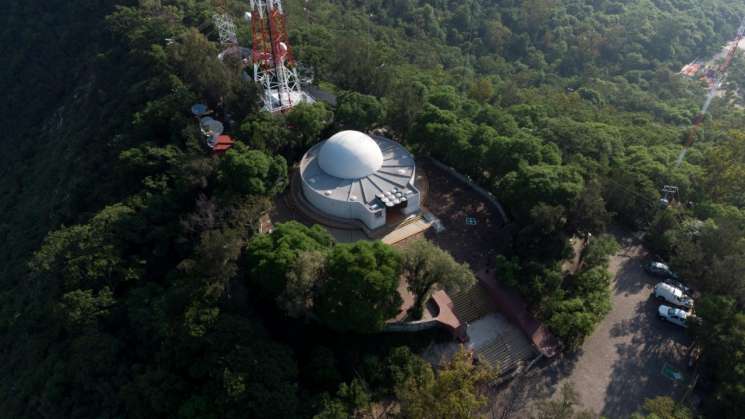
column 355, row 176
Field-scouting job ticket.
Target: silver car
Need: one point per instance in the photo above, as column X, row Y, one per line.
column 673, row 315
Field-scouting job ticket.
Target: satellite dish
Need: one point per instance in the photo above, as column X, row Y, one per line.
column 204, row 121
column 213, row 127
column 247, row 16
column 199, row 109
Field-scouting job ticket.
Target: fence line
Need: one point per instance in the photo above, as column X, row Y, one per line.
column 478, row 189
column 414, row 326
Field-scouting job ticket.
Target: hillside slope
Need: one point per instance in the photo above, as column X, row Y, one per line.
column 126, row 288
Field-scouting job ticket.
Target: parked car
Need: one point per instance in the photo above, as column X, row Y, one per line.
column 660, row 270
column 679, row 285
column 672, row 295
column 673, row 315
column 663, row 271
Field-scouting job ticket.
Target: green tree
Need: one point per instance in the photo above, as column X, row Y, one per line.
column 586, row 302
column 402, row 365
column 352, row 401
column 531, row 185
column 633, row 196
column 251, row 172
column 237, row 353
column 426, row 268
column 404, row 105
column 454, row 392
column 271, row 257
column 481, row 90
column 543, row 239
column 265, row 131
column 83, row 307
column 721, row 336
column 361, row 64
column 92, row 254
column 303, row 280
column 598, row 251
column 357, row 111
column 588, row 214
column 663, row 407
column 306, row 122
column 361, row 291
column 195, row 60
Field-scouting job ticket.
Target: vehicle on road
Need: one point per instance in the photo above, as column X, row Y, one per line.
column 673, row 315
column 673, row 295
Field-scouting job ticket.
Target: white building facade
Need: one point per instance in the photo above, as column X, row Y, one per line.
column 354, row 176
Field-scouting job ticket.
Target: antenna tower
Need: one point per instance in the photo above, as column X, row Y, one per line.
column 224, row 24
column 274, row 66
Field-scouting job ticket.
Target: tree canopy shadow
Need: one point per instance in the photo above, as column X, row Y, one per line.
column 637, row 375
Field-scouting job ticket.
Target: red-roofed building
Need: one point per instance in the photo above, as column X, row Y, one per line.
column 224, row 142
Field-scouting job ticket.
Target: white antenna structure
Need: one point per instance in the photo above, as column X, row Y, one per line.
column 274, row 66
column 225, row 29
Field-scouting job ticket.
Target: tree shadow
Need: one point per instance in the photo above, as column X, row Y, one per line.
column 649, row 345
column 514, row 399
column 630, row 277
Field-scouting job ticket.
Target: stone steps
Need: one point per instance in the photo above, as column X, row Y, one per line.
column 506, row 351
column 472, row 304
column 405, row 230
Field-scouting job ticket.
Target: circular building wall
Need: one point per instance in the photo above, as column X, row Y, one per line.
column 355, row 176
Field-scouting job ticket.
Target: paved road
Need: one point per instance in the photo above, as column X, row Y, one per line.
column 620, row 364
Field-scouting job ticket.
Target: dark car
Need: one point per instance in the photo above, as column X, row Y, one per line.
column 663, row 271
column 660, row 270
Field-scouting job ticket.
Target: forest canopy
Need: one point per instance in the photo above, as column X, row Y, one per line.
column 135, row 280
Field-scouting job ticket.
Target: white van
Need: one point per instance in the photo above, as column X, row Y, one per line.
column 672, row 295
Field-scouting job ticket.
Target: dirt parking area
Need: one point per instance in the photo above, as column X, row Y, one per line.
column 632, row 355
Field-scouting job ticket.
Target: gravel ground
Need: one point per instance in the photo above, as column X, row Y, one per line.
column 621, row 363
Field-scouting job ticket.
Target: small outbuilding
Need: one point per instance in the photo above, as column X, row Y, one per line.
column 356, row 176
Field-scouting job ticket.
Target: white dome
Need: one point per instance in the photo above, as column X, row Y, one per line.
column 350, row 155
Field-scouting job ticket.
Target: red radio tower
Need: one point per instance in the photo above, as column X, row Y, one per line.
column 274, row 66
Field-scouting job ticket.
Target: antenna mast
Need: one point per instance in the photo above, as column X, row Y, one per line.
column 225, row 26
column 274, row 66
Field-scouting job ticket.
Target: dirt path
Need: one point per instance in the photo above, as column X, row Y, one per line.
column 621, row 363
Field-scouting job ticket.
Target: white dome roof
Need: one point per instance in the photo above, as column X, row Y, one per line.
column 350, row 155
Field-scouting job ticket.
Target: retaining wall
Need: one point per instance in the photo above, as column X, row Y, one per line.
column 478, row 189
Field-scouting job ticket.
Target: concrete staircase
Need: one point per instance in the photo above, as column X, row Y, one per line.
column 507, row 351
column 410, row 227
column 472, row 303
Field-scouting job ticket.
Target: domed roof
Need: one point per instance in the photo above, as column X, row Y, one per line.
column 350, row 155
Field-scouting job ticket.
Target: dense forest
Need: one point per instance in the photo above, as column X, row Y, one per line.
column 135, row 284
